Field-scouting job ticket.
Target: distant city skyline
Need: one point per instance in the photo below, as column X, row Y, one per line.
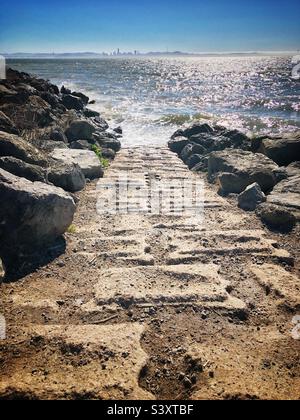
column 192, row 26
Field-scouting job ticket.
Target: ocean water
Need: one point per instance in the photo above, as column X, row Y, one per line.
column 152, row 97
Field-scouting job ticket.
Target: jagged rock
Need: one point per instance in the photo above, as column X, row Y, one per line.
column 51, row 99
column 6, row 124
column 58, row 135
column 80, row 130
column 251, row 197
column 67, row 176
column 32, row 215
column 72, row 102
column 12, row 145
column 87, row 161
column 283, row 151
column 90, row 113
column 22, row 169
column 65, row 91
column 85, row 99
column 177, row 144
column 81, row 145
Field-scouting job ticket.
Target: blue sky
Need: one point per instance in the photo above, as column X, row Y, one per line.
column 186, row 25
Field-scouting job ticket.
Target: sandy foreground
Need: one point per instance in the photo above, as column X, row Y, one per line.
column 148, row 306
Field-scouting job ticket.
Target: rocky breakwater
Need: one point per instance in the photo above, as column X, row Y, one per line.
column 262, row 172
column 51, row 144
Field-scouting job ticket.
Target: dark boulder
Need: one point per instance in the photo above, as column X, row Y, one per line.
column 22, row 169
column 85, row 99
column 192, row 149
column 197, row 129
column 80, row 130
column 65, row 91
column 108, row 153
column 89, row 113
column 283, row 151
column 177, row 143
column 58, row 135
column 15, row 146
column 277, row 217
column 72, row 102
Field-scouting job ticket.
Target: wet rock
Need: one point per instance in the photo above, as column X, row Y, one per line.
column 177, row 144
column 65, row 91
column 32, row 215
column 283, row 151
column 80, row 130
column 85, row 99
column 15, row 146
column 197, row 129
column 67, row 176
column 251, row 197
column 194, row 160
column 22, row 169
column 118, row 130
column 100, row 123
column 85, row 159
column 90, row 113
column 237, row 169
column 72, row 102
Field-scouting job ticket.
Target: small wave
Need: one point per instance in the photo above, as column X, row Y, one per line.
column 181, row 119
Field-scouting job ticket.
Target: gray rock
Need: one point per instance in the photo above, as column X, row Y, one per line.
column 32, row 216
column 194, row 160
column 85, row 159
column 67, row 176
column 236, row 169
column 177, row 144
column 282, row 151
column 250, row 198
column 49, row 145
column 72, row 102
column 118, row 130
column 12, row 145
column 22, row 169
column 80, row 130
